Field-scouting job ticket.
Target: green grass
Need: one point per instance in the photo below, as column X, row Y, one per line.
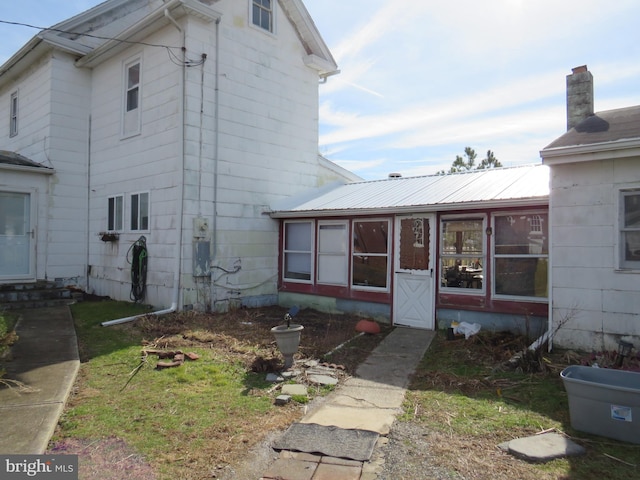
column 167, row 415
column 459, row 396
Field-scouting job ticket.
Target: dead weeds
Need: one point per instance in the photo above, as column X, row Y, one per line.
column 240, row 337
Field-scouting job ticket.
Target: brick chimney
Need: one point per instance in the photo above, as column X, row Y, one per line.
column 579, row 96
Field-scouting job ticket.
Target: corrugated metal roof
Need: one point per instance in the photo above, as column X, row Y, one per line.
column 491, row 187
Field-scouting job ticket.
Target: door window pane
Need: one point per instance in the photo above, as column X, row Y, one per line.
column 414, row 244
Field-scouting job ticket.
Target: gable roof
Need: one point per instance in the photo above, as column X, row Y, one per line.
column 597, row 136
column 512, row 186
column 108, row 28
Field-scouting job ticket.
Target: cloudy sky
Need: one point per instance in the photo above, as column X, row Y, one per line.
column 421, row 80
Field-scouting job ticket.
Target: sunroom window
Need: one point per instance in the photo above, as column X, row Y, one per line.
column 521, row 255
column 371, row 254
column 462, row 253
column 298, row 248
column 333, row 264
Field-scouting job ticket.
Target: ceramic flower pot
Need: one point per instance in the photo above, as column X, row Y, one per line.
column 288, row 340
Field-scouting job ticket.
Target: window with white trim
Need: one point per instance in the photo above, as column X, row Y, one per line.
column 131, row 101
column 298, row 251
column 521, row 255
column 629, row 224
column 462, row 253
column 13, row 116
column 262, row 14
column 115, row 213
column 370, row 259
column 333, row 263
column 140, row 211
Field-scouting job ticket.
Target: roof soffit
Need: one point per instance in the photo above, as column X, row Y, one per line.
column 319, row 56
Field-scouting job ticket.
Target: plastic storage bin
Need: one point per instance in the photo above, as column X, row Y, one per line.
column 604, row 402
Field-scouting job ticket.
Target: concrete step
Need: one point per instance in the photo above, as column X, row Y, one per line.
column 38, row 294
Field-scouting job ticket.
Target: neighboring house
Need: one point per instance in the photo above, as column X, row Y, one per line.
column 595, row 222
column 424, row 251
column 179, row 121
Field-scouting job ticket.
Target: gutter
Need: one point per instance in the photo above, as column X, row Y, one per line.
column 628, row 147
column 530, row 202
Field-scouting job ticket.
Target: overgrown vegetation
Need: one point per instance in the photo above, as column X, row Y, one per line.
column 190, row 421
column 469, row 398
column 7, row 335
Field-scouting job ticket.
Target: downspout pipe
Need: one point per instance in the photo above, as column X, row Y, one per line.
column 180, row 212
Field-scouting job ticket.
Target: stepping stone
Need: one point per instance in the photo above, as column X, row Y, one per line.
column 323, row 379
column 542, row 448
column 328, row 441
column 294, row 389
column 283, row 399
column 273, row 377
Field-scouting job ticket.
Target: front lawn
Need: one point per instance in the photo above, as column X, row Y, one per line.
column 126, row 417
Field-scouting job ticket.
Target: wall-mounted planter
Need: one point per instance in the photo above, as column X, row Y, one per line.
column 109, row 236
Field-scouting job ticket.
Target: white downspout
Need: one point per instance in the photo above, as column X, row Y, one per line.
column 180, row 212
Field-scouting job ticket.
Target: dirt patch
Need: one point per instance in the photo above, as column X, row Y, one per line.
column 105, row 459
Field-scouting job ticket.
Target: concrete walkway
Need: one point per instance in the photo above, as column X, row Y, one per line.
column 369, row 401
column 45, row 360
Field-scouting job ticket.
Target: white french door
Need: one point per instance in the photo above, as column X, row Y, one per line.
column 17, row 246
column 414, row 264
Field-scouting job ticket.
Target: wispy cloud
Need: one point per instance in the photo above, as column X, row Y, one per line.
column 421, row 80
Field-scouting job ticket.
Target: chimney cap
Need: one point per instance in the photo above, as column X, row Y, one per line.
column 580, row 69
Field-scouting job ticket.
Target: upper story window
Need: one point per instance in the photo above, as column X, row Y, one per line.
column 115, row 213
column 262, row 14
column 462, row 253
column 370, row 265
column 140, row 211
column 13, row 120
column 521, row 255
column 131, row 101
column 629, row 225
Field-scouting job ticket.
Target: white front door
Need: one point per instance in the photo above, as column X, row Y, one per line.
column 413, row 292
column 16, row 243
